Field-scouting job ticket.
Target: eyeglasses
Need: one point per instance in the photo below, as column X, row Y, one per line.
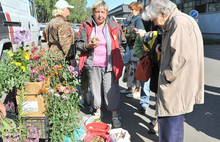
column 69, row 9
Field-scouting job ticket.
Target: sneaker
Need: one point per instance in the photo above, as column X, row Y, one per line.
column 143, row 110
column 116, row 122
column 133, row 96
column 125, row 91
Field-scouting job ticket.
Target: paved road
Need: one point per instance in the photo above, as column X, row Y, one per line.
column 202, row 125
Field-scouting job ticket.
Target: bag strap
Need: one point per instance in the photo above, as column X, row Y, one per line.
column 144, row 54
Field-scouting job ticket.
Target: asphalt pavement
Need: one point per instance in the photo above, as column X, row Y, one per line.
column 202, row 125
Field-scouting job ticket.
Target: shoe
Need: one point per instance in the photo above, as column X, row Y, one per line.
column 133, row 96
column 116, row 122
column 153, row 122
column 97, row 117
column 152, row 131
column 125, row 91
column 143, row 110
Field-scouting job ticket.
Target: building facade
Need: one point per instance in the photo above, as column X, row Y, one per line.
column 121, row 12
column 209, row 14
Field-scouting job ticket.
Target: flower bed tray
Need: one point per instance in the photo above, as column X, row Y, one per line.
column 41, row 123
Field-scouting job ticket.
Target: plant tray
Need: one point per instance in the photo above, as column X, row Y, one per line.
column 41, row 123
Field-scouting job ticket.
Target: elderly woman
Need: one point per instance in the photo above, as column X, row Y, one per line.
column 100, row 42
column 135, row 9
column 181, row 77
column 59, row 33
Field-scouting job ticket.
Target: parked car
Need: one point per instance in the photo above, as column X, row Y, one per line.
column 76, row 29
column 42, row 27
column 16, row 14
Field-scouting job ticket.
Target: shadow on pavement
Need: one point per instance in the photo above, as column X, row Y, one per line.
column 206, row 117
column 135, row 123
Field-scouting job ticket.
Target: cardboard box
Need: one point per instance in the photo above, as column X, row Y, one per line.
column 32, row 106
column 34, row 87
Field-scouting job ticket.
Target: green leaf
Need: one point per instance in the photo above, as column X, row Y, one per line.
column 6, row 125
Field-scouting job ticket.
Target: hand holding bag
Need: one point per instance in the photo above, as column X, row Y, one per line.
column 144, row 70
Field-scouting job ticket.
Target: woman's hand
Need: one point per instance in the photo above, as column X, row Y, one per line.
column 141, row 33
column 2, row 109
column 92, row 45
column 158, row 49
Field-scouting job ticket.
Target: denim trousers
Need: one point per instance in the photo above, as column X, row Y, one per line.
column 145, row 94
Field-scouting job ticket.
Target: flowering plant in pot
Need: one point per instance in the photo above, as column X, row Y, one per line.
column 14, row 72
column 62, row 99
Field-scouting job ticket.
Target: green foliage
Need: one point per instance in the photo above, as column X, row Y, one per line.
column 12, row 131
column 14, row 70
column 78, row 14
column 210, row 41
column 62, row 99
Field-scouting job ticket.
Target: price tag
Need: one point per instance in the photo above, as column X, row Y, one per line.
column 30, row 106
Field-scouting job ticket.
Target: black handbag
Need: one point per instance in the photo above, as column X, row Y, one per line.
column 71, row 55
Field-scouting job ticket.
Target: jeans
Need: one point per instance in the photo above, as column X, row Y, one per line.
column 145, row 94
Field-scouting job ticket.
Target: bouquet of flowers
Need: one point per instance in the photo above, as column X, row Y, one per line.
column 128, row 34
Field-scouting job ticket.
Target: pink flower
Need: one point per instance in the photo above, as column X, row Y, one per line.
column 75, row 74
column 56, row 66
column 66, row 91
column 73, row 92
column 61, row 88
column 40, row 78
column 71, row 69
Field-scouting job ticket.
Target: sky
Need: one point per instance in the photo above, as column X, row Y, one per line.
column 111, row 3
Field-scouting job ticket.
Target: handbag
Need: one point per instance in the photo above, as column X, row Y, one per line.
column 71, row 55
column 127, row 56
column 144, row 70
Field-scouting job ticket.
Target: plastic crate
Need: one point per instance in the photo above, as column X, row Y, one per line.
column 41, row 123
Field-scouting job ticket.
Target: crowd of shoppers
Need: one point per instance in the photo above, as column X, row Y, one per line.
column 178, row 75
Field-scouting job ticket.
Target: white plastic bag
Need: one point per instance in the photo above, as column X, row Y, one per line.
column 119, row 135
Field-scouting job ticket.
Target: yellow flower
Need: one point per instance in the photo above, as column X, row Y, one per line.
column 25, row 55
column 10, row 53
column 16, row 63
column 24, row 69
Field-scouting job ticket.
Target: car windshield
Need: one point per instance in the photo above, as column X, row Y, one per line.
column 42, row 28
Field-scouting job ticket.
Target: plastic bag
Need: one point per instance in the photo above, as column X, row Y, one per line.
column 89, row 136
column 119, row 135
column 127, row 56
